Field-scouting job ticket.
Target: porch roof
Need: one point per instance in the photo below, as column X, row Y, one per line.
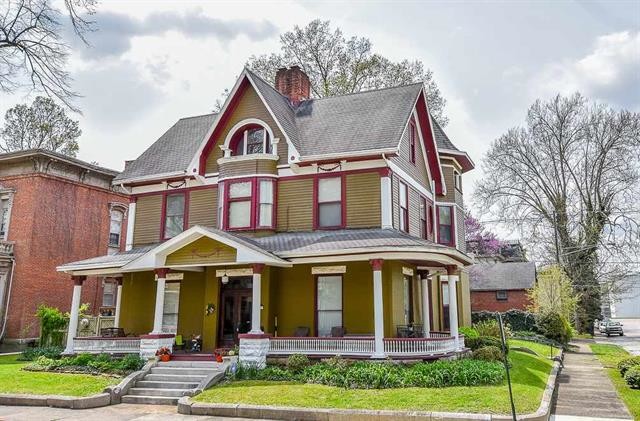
column 280, row 247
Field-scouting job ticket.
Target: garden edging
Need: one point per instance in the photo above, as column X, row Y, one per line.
column 110, row 396
column 187, row 406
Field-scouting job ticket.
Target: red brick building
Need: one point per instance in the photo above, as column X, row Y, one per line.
column 53, row 208
column 502, row 281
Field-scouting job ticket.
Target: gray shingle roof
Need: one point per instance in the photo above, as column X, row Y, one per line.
column 173, row 151
column 118, row 259
column 442, row 140
column 489, row 276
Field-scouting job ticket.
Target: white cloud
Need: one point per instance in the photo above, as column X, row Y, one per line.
column 610, row 72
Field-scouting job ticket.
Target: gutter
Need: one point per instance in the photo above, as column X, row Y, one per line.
column 6, row 309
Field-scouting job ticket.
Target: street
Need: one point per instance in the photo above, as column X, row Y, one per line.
column 631, row 339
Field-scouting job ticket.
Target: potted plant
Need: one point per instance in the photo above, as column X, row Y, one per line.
column 164, row 353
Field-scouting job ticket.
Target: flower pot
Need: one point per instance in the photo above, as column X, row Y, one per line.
column 165, row 358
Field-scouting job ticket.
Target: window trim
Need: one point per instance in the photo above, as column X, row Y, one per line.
column 255, row 203
column 412, row 142
column 452, row 243
column 457, row 180
column 343, row 202
column 243, row 126
column 403, row 211
column 506, row 295
column 185, row 217
column 315, row 299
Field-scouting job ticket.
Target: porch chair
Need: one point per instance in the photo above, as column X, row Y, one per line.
column 338, row 332
column 301, row 332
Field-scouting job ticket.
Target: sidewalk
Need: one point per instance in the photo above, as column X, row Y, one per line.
column 585, row 390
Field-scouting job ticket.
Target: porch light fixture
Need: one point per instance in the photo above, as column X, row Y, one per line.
column 225, row 279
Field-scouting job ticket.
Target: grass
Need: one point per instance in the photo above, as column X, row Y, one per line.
column 15, row 380
column 529, row 377
column 609, row 355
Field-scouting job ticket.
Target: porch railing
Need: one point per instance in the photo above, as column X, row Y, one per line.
column 95, row 345
column 363, row 346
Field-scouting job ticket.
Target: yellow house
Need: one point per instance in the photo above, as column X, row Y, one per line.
column 285, row 224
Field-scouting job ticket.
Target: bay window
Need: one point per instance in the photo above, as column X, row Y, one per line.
column 328, row 304
column 404, row 207
column 249, row 204
column 329, row 204
column 174, row 220
column 445, row 225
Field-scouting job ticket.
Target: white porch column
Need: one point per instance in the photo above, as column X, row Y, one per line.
column 116, row 322
column 157, row 317
column 256, row 299
column 131, row 221
column 453, row 278
column 426, row 319
column 75, row 310
column 378, row 314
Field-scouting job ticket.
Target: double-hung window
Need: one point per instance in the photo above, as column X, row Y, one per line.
column 404, row 207
column 108, row 294
column 329, row 304
column 445, row 225
column 4, row 217
column 115, row 227
column 423, row 217
column 174, row 215
column 250, row 204
column 330, row 209
column 412, row 143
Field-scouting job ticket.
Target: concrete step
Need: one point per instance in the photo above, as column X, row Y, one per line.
column 190, row 364
column 166, row 385
column 150, row 400
column 174, row 378
column 184, row 371
column 144, row 391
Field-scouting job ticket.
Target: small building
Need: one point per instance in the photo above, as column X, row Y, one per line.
column 501, row 281
column 626, row 304
column 52, row 208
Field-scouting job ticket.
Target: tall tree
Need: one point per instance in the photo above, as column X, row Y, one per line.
column 33, row 53
column 337, row 65
column 570, row 181
column 42, row 125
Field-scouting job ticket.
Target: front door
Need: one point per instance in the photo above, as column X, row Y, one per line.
column 235, row 314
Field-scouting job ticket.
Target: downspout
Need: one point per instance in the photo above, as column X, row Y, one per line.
column 6, row 310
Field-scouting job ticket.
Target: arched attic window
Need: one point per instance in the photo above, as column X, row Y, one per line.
column 250, row 139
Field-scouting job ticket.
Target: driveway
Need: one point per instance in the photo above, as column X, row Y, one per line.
column 631, row 339
column 124, row 412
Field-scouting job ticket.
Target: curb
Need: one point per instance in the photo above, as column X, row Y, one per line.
column 186, row 406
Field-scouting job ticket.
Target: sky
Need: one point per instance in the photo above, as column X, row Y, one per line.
column 151, row 63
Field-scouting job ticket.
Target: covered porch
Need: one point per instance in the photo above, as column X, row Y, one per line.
column 373, row 305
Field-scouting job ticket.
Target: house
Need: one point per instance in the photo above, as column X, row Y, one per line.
column 287, row 224
column 53, row 208
column 501, row 281
column 625, row 304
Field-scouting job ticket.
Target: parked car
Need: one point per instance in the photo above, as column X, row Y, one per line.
column 610, row 327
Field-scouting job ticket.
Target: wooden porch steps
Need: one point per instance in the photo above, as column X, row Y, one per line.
column 168, row 382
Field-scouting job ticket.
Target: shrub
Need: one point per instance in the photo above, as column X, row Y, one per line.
column 468, row 332
column 516, row 319
column 487, row 353
column 491, row 328
column 82, row 359
column 482, row 341
column 31, row 354
column 632, row 377
column 102, row 363
column 297, row 362
column 627, row 363
column 52, row 322
column 130, row 362
column 555, row 327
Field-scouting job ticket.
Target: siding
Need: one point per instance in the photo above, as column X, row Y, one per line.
column 249, row 106
column 203, row 207
column 418, row 171
column 201, row 251
column 363, row 200
column 147, row 222
column 295, row 205
column 248, row 167
column 462, row 246
column 414, row 212
column 447, row 172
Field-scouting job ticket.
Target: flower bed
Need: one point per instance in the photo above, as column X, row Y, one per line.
column 88, row 364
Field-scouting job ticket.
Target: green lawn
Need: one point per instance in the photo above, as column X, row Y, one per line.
column 609, row 355
column 15, row 380
column 529, row 377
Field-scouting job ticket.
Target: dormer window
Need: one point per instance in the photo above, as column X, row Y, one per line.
column 251, row 139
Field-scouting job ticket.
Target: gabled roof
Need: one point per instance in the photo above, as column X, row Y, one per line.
column 491, row 276
column 442, row 140
column 172, row 152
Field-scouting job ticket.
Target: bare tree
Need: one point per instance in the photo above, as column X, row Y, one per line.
column 42, row 125
column 337, row 65
column 570, row 181
column 33, row 53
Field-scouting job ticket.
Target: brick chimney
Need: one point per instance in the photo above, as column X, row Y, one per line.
column 293, row 83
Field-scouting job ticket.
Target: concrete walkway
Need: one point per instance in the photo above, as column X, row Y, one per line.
column 585, row 390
